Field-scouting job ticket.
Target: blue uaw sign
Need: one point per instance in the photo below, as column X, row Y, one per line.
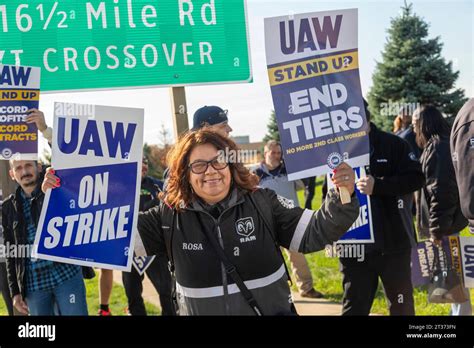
column 141, row 263
column 91, row 218
column 313, row 69
column 362, row 230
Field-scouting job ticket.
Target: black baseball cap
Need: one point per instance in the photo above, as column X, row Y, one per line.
column 209, row 115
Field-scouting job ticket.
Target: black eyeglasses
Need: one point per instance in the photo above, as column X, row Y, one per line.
column 200, row 166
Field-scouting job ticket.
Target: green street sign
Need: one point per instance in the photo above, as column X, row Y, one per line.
column 106, row 44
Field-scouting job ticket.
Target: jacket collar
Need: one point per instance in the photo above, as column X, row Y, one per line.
column 235, row 197
column 17, row 198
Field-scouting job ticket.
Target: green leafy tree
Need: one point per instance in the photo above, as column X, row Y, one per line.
column 272, row 129
column 156, row 154
column 412, row 71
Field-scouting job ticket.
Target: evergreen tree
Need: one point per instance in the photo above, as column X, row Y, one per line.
column 272, row 129
column 412, row 71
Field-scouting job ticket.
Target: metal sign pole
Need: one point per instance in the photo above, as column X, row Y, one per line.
column 180, row 111
column 6, row 183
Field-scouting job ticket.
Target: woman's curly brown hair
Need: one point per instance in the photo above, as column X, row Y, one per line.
column 178, row 189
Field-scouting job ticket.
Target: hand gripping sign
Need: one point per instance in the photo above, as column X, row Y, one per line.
column 362, row 230
column 91, row 218
column 313, row 70
column 19, row 92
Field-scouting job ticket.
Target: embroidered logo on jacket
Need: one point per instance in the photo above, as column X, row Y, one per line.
column 245, row 227
column 192, row 246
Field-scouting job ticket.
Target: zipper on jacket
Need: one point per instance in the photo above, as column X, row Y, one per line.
column 221, row 242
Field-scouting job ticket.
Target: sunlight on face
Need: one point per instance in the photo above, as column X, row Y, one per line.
column 213, row 185
column 25, row 173
column 273, row 156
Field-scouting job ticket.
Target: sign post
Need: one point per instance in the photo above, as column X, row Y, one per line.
column 180, row 111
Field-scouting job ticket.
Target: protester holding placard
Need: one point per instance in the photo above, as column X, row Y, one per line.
column 37, row 286
column 439, row 209
column 210, row 217
column 393, row 172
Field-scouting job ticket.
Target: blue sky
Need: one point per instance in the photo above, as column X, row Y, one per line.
column 249, row 105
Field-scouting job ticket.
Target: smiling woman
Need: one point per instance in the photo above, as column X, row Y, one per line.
column 214, row 217
column 196, row 167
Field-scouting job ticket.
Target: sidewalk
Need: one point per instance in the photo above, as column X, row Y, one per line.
column 304, row 306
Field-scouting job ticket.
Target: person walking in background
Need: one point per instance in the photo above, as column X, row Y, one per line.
column 272, row 174
column 439, row 209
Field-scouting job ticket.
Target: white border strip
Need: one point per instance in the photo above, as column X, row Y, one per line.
column 300, row 229
column 217, row 291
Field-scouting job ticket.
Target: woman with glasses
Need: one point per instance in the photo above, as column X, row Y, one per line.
column 222, row 234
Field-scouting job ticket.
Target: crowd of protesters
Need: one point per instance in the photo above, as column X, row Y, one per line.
column 240, row 220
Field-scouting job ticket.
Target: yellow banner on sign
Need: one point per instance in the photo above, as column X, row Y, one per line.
column 313, row 67
column 19, row 94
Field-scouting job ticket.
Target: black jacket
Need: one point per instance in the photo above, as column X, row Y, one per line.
column 203, row 287
column 410, row 137
column 439, row 209
column 15, row 233
column 149, row 189
column 462, row 152
column 397, row 172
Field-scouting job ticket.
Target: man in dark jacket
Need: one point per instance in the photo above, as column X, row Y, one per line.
column 462, row 153
column 37, row 286
column 393, row 172
column 157, row 271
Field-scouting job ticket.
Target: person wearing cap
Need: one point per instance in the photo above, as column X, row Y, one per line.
column 213, row 118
